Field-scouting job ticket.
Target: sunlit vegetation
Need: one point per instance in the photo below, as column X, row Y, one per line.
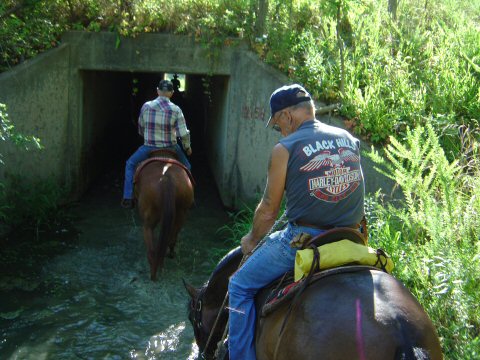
column 433, row 233
column 390, row 68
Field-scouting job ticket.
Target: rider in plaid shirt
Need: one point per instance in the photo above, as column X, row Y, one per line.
column 160, row 122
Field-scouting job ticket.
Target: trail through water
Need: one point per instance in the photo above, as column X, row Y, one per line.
column 90, row 297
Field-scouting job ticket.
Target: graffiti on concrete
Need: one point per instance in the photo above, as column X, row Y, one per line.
column 253, row 112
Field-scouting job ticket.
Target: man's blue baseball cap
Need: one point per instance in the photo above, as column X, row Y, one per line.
column 285, row 97
column 165, row 85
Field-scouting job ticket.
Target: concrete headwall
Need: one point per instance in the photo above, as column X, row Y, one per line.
column 146, row 53
column 249, row 144
column 47, row 97
column 37, row 99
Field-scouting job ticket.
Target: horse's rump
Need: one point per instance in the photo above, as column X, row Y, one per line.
column 366, row 314
column 161, row 161
column 164, row 192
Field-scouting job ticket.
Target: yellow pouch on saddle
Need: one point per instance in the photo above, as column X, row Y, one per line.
column 341, row 253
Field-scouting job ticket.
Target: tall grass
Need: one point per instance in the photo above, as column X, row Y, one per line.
column 32, row 205
column 433, row 234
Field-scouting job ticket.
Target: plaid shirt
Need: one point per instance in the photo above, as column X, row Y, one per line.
column 160, row 122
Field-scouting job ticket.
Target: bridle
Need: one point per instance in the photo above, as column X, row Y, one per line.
column 197, row 307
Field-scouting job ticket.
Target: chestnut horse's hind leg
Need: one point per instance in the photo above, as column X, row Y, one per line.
column 148, row 238
column 173, row 241
column 179, row 220
column 171, row 251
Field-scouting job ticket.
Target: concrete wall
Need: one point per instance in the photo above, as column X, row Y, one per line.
column 249, row 143
column 37, row 97
column 47, row 97
column 216, row 134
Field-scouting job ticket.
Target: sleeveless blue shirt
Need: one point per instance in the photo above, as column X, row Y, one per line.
column 324, row 185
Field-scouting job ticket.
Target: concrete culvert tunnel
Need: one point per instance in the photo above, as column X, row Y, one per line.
column 83, row 105
column 111, row 104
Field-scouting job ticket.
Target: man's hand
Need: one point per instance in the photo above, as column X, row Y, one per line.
column 189, row 151
column 248, row 244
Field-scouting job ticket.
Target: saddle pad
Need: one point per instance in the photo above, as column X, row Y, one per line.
column 341, row 253
column 287, row 292
column 164, row 160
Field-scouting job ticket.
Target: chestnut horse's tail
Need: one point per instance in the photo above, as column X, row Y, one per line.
column 167, row 195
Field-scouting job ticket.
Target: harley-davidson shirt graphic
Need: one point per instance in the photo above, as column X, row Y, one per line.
column 335, row 168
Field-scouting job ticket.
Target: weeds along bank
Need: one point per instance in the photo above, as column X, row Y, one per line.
column 433, row 235
column 23, row 204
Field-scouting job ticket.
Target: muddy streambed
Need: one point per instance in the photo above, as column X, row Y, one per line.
column 83, row 292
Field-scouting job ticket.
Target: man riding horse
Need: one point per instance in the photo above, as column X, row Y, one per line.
column 318, row 168
column 160, row 122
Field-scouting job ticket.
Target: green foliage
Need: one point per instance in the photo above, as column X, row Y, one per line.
column 423, row 65
column 434, row 235
column 26, row 31
column 240, row 225
column 16, row 202
column 426, row 177
column 34, row 205
column 400, row 73
column 8, row 133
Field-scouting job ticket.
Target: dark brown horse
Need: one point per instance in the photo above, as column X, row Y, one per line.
column 364, row 315
column 164, row 193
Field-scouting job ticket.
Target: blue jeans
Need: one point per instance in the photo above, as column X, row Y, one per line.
column 267, row 263
column 138, row 156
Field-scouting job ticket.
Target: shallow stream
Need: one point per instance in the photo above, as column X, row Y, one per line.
column 84, row 292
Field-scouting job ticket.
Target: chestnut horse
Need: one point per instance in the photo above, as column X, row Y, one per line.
column 364, row 314
column 164, row 193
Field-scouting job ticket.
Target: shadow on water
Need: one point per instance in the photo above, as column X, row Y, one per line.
column 89, row 295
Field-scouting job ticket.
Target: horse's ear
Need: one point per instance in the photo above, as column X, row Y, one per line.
column 193, row 292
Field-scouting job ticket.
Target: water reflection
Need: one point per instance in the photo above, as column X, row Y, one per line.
column 165, row 345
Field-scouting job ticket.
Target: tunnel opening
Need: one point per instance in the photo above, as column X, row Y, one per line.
column 111, row 104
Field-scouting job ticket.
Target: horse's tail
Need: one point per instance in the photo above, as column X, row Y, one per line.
column 167, row 198
column 408, row 351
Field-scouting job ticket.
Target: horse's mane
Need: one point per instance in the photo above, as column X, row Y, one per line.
column 216, row 286
column 229, row 257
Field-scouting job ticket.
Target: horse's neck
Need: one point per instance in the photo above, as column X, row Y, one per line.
column 218, row 284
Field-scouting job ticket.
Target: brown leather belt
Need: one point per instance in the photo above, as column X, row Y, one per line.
column 324, row 227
